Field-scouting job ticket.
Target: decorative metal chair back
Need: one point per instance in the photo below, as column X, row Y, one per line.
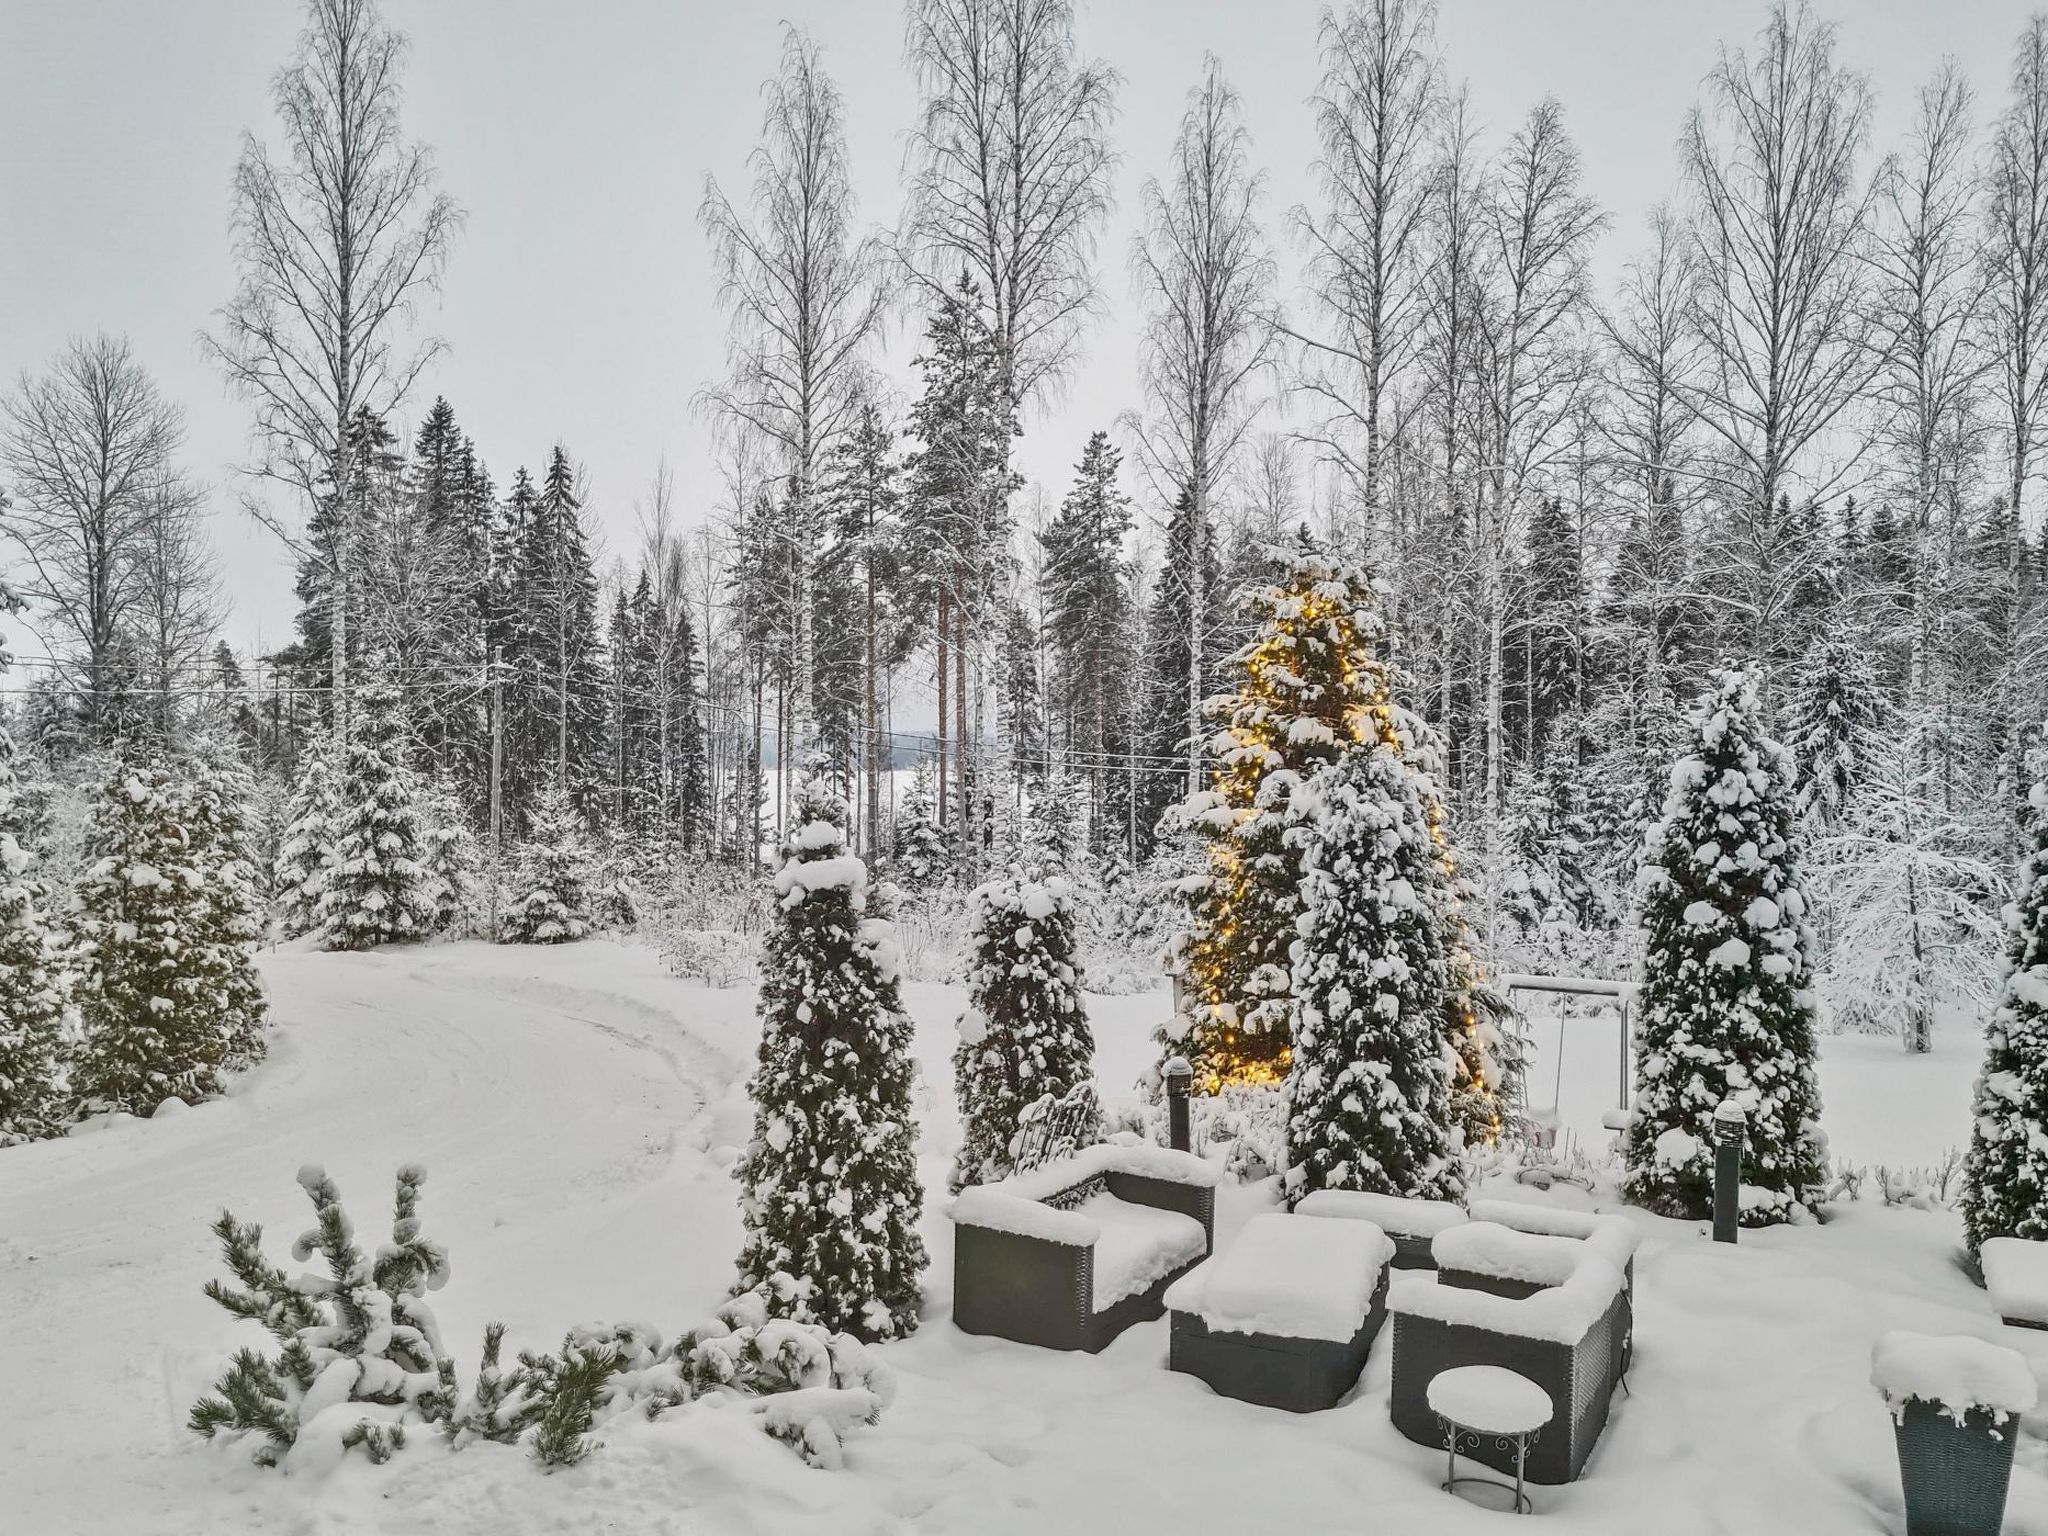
column 1052, row 1127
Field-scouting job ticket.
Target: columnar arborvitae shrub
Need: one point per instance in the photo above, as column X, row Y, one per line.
column 2005, row 1177
column 156, row 1021
column 551, row 896
column 377, row 890
column 1368, row 1104
column 1025, row 1031
column 217, row 792
column 831, row 1191
column 361, row 1353
column 33, row 983
column 1727, row 1010
column 1306, row 683
column 308, row 847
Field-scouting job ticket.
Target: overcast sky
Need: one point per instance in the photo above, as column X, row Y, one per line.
column 578, row 305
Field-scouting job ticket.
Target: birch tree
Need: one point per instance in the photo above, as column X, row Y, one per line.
column 338, row 241
column 1206, row 274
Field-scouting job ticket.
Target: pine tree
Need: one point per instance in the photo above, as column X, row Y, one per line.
column 551, row 885
column 921, row 861
column 1368, row 1103
column 1307, row 682
column 1161, row 700
column 307, row 853
column 33, row 983
column 451, row 859
column 1024, row 1033
column 2005, row 1176
column 156, row 1021
column 217, row 794
column 378, row 890
column 830, row 1177
column 1837, row 711
column 1727, row 1005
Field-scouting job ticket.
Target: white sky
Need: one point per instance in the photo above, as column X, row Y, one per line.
column 578, row 305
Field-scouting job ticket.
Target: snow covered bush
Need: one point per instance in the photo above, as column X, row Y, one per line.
column 830, row 1184
column 33, row 983
column 167, row 994
column 2005, row 1178
column 360, row 1352
column 1367, row 1087
column 377, row 888
column 1727, row 1006
column 551, row 882
column 1024, row 1033
column 308, row 848
column 716, row 957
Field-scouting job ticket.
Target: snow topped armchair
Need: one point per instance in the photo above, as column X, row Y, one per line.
column 1069, row 1254
column 1553, row 1308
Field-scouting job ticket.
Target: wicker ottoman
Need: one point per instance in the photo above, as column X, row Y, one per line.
column 1286, row 1317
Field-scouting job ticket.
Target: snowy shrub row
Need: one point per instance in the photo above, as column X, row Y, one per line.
column 360, row 1358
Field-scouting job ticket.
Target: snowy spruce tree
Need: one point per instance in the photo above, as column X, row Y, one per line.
column 921, row 861
column 1024, row 1033
column 1305, row 684
column 1727, row 1005
column 1368, row 1093
column 378, row 889
column 159, row 1018
column 551, row 897
column 2005, row 1176
column 830, row 1184
column 216, row 793
column 33, row 982
column 451, row 858
column 308, row 847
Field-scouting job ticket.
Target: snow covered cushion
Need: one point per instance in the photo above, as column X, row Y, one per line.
column 1390, row 1213
column 1491, row 1399
column 1137, row 1246
column 1561, row 1314
column 1956, row 1373
column 1289, row 1276
column 1527, row 1216
column 2016, row 1275
column 1484, row 1248
column 1013, row 1204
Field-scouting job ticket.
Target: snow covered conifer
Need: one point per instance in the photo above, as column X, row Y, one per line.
column 1727, row 1005
column 1307, row 681
column 830, row 1177
column 453, row 863
column 308, row 848
column 551, row 883
column 1368, row 1101
column 32, row 983
column 1836, row 713
column 215, row 795
column 1025, row 1031
column 2005, row 1176
column 377, row 890
column 921, row 861
column 157, row 1023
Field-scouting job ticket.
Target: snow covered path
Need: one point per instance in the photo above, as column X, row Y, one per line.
column 576, row 1110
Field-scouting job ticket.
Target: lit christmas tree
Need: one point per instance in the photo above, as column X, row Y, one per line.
column 830, row 1178
column 1308, row 682
column 2005, row 1177
column 1025, row 1031
column 1727, row 1005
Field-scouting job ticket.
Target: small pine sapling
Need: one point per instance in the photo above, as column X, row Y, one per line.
column 568, row 1390
column 551, row 890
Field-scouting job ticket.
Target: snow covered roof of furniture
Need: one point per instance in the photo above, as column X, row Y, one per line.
column 1491, row 1399
column 1954, row 1371
column 1390, row 1213
column 1561, row 1314
column 1289, row 1276
column 1138, row 1246
column 2016, row 1275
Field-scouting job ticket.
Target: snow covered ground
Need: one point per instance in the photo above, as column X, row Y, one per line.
column 576, row 1110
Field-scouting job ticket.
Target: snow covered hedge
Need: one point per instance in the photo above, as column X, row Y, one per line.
column 361, row 1360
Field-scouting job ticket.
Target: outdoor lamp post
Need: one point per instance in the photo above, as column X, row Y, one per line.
column 1729, row 1126
column 1180, row 1078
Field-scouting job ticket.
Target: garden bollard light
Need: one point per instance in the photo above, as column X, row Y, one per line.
column 1180, row 1077
column 1729, row 1125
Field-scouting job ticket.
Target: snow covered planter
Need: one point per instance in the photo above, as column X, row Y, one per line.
column 1288, row 1315
column 1072, row 1253
column 1955, row 1406
column 1552, row 1308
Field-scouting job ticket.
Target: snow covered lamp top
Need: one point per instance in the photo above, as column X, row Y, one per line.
column 1955, row 1373
column 1729, row 1122
column 1179, row 1073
